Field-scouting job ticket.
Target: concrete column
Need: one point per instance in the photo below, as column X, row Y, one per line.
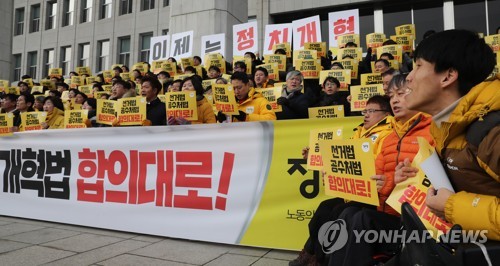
column 208, row 17
column 448, row 15
column 378, row 19
column 6, row 26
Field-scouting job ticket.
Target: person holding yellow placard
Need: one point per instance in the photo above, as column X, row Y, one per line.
column 24, row 103
column 156, row 113
column 204, row 109
column 55, row 113
column 400, row 145
column 252, row 105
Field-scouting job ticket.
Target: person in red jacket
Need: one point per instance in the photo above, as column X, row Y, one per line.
column 398, row 146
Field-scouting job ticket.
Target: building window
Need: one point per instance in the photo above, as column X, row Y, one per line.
column 51, row 15
column 124, row 50
column 166, row 3
column 86, row 15
column 65, row 63
column 494, row 16
column 17, row 67
column 106, row 9
column 83, row 54
column 164, row 32
column 35, row 18
column 147, row 4
column 32, row 63
column 145, row 45
column 125, row 7
column 19, row 26
column 103, row 55
column 48, row 61
column 68, row 12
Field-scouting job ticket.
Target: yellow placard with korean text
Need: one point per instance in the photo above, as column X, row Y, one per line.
column 47, row 83
column 83, row 71
column 304, row 55
column 320, row 47
column 75, row 118
column 108, row 76
column 106, row 111
column 107, row 88
column 224, row 99
column 314, row 158
column 395, row 49
column 310, row 69
column 141, row 67
column 498, row 58
column 208, row 82
column 324, row 112
column 13, row 90
column 279, row 59
column 182, row 104
column 37, row 89
column 272, row 95
column 374, row 40
column 187, row 61
column 349, row 164
column 55, row 72
column 90, row 80
column 272, row 70
column 4, row 84
column 414, row 191
column 156, row 66
column 218, row 62
column 125, row 76
column 285, row 46
column 76, row 81
column 371, row 78
column 343, row 75
column 29, row 81
column 407, row 29
column 32, row 120
column 351, row 64
column 169, row 67
column 131, row 111
column 355, row 53
column 342, row 40
column 246, row 60
column 99, row 94
column 494, row 42
column 162, row 97
column 361, row 94
column 404, row 40
column 6, row 124
column 182, row 77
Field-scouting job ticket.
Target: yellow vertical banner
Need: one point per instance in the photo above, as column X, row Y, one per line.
column 310, row 69
column 404, row 40
column 304, row 55
column 414, row 191
column 106, row 111
column 75, row 118
column 32, row 120
column 182, row 104
column 361, row 94
column 272, row 95
column 396, row 50
column 494, row 42
column 131, row 111
column 224, row 99
column 342, row 40
column 333, row 111
column 375, row 40
column 349, row 164
column 355, row 53
column 314, row 158
column 272, row 70
column 371, row 78
column 6, row 124
column 343, row 75
column 319, row 47
column 407, row 29
column 279, row 59
column 285, row 46
column 351, row 64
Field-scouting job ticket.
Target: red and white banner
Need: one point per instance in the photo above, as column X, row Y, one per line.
column 342, row 22
column 276, row 33
column 215, row 43
column 182, row 45
column 245, row 38
column 306, row 30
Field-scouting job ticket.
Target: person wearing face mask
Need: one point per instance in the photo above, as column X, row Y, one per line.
column 294, row 103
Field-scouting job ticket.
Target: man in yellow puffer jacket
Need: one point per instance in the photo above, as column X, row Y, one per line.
column 447, row 83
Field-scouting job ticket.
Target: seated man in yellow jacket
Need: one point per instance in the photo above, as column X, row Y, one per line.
column 252, row 105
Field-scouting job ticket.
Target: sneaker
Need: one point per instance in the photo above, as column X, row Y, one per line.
column 302, row 260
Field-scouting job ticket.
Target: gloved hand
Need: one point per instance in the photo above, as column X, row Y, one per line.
column 183, row 121
column 241, row 117
column 221, row 117
column 171, row 121
column 282, row 101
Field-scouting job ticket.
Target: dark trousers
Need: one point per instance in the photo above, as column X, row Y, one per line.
column 358, row 251
column 327, row 210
